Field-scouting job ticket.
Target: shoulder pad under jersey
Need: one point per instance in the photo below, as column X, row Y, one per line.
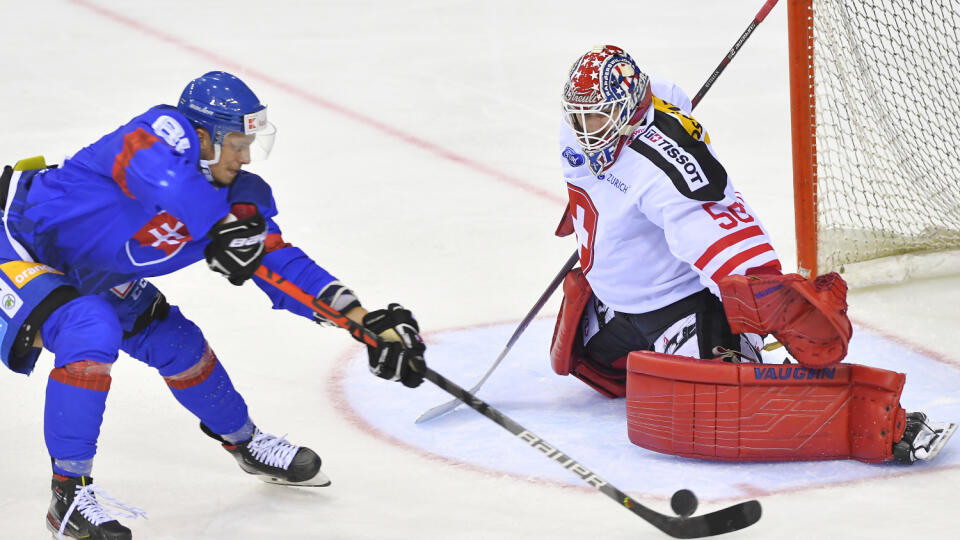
column 251, row 188
column 677, row 145
column 170, row 126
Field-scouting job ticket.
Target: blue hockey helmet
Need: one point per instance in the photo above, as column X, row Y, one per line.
column 221, row 103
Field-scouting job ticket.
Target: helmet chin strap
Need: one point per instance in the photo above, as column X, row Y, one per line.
column 205, row 164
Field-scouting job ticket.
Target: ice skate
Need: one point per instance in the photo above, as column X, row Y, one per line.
column 922, row 439
column 75, row 511
column 275, row 460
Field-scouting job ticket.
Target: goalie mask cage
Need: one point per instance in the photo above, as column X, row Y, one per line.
column 875, row 114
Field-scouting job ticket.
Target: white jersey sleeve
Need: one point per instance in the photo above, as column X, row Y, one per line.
column 706, row 223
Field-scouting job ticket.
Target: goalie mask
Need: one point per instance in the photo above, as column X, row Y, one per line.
column 605, row 98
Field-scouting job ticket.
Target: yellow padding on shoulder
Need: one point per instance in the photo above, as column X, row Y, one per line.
column 31, row 163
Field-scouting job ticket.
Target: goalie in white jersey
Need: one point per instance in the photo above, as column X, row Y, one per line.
column 663, row 235
column 657, row 218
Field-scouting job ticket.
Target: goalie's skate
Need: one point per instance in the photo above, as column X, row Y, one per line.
column 275, row 460
column 922, row 439
column 75, row 511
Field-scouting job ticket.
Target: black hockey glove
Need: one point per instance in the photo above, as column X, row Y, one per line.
column 237, row 244
column 400, row 358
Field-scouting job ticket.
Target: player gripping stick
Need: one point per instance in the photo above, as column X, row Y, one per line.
column 165, row 190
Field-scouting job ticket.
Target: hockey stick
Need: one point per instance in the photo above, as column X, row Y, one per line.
column 444, row 408
column 683, row 502
column 761, row 15
column 453, row 404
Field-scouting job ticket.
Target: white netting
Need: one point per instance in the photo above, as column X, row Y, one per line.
column 887, row 90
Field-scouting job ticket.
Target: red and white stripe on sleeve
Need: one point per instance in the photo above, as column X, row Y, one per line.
column 745, row 246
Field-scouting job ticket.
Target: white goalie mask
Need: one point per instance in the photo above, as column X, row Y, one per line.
column 604, row 99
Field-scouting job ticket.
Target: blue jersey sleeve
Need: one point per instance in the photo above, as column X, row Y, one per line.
column 158, row 166
column 250, row 188
column 282, row 258
column 295, row 266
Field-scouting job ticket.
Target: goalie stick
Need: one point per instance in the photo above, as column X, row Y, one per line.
column 760, row 16
column 444, row 408
column 683, row 502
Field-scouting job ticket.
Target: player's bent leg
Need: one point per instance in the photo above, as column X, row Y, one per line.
column 175, row 346
column 37, row 300
column 567, row 353
column 84, row 334
column 694, row 326
column 158, row 334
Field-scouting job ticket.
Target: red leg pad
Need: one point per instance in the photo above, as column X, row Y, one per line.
column 609, row 382
column 576, row 294
column 809, row 318
column 566, row 352
column 748, row 412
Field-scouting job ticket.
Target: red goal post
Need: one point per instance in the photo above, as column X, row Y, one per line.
column 875, row 114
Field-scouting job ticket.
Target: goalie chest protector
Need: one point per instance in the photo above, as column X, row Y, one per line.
column 711, row 409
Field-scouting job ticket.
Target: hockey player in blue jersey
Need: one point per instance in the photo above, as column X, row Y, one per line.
column 163, row 191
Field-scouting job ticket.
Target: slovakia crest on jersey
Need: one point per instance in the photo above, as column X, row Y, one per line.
column 157, row 241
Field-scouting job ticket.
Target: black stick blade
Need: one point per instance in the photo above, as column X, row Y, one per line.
column 732, row 518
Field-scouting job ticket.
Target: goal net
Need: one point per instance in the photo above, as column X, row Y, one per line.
column 875, row 99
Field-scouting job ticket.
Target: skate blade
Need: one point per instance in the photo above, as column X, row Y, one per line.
column 941, row 440
column 320, row 480
column 54, row 529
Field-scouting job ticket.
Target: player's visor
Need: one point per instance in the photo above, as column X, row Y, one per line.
column 256, row 146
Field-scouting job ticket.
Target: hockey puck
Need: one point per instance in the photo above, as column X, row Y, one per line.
column 683, row 503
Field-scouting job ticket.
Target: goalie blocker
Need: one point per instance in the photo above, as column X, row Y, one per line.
column 808, row 317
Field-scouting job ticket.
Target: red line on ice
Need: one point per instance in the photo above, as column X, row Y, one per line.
column 323, row 103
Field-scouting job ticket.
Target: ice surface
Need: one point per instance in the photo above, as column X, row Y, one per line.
column 592, row 429
column 416, row 159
